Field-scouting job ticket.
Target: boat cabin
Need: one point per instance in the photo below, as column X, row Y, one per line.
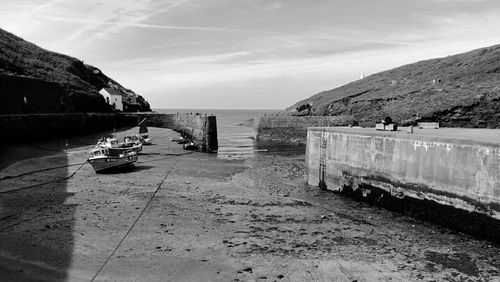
column 99, row 152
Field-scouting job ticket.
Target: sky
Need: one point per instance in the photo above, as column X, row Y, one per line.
column 249, row 54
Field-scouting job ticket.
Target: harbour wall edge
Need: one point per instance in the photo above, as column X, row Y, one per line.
column 460, row 174
column 24, row 128
column 293, row 129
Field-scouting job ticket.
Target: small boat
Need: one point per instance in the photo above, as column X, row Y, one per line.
column 137, row 139
column 178, row 139
column 103, row 159
column 112, row 144
column 143, row 128
column 145, row 140
column 190, row 146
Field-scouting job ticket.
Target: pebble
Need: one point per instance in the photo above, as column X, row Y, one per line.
column 248, row 269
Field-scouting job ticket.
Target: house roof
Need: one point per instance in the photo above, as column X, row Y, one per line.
column 112, row 91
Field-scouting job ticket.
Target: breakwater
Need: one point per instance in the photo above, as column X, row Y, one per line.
column 30, row 127
column 202, row 129
column 293, row 129
column 459, row 168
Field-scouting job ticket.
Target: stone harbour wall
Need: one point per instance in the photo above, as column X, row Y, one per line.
column 26, row 128
column 201, row 129
column 460, row 172
column 293, row 128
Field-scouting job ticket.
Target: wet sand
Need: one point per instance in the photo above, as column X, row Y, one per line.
column 189, row 216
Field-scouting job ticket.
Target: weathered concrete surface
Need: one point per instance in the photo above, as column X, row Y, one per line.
column 457, row 167
column 293, row 128
column 209, row 220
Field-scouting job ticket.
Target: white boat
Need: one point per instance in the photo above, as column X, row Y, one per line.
column 137, row 139
column 103, row 159
column 113, row 144
column 190, row 146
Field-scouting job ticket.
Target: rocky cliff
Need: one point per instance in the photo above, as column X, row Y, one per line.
column 35, row 80
column 458, row 91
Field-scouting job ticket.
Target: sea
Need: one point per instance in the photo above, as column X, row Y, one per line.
column 235, row 133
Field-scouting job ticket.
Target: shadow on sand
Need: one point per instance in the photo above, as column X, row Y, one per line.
column 36, row 226
column 36, row 214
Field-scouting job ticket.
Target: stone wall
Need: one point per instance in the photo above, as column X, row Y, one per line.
column 201, row 129
column 32, row 96
column 293, row 128
column 30, row 127
column 456, row 167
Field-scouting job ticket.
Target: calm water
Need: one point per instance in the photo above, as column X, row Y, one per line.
column 235, row 137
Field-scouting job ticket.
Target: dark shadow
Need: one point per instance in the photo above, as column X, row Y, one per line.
column 36, row 223
column 126, row 169
column 149, row 154
column 472, row 223
column 36, row 226
column 140, row 167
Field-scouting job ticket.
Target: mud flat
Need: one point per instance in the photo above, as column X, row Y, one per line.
column 189, row 216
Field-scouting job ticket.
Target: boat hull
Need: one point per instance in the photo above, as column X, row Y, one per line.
column 103, row 164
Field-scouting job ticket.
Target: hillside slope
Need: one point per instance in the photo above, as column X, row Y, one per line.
column 34, row 80
column 458, row 91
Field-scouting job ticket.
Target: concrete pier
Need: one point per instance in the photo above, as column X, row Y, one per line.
column 456, row 167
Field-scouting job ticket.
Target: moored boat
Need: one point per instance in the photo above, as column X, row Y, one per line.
column 103, row 159
column 190, row 146
column 137, row 139
column 113, row 144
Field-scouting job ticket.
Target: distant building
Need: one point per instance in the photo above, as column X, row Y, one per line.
column 112, row 97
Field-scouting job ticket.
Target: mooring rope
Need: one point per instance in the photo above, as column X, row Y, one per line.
column 167, row 156
column 133, row 225
column 45, row 183
column 36, row 171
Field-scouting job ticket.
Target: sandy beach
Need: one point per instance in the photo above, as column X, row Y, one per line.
column 188, row 216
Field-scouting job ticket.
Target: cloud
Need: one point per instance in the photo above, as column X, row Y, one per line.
column 458, row 1
column 118, row 16
column 469, row 27
column 265, row 5
column 137, row 13
column 174, row 45
column 116, row 25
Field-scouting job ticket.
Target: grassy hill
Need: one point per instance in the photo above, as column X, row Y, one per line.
column 51, row 82
column 458, row 91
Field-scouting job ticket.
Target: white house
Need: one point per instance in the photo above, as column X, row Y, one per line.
column 112, row 97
